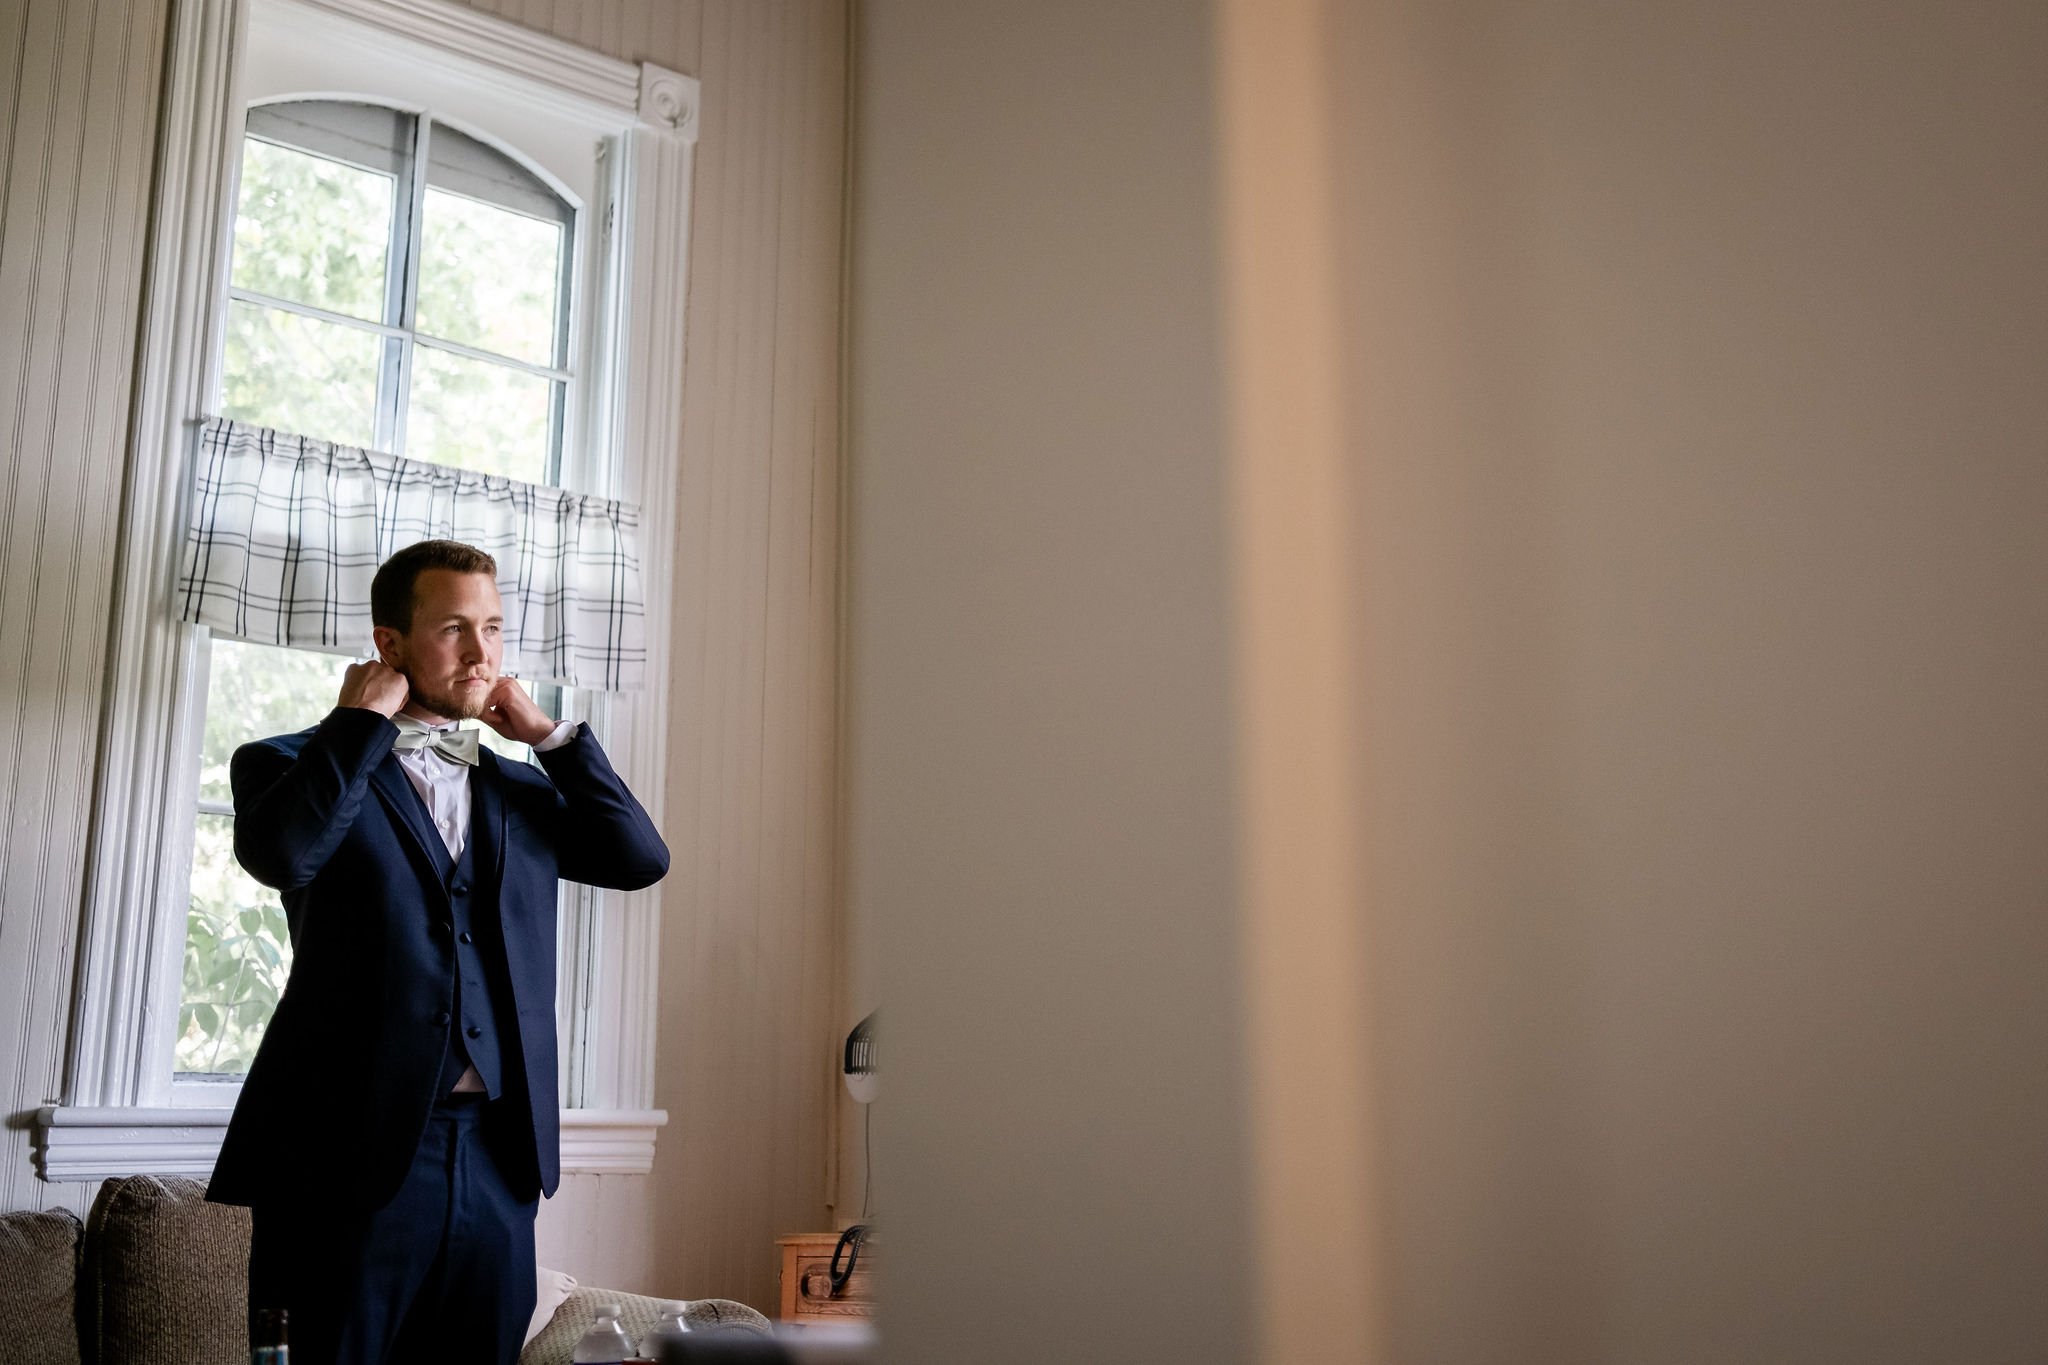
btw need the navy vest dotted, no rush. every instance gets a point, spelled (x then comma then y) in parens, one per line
(482, 980)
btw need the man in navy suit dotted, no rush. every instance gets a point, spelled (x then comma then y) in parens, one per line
(398, 1126)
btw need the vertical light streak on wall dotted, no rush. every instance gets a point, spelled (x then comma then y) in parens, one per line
(1295, 675)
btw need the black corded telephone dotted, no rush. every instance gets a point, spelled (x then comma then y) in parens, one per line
(850, 1243)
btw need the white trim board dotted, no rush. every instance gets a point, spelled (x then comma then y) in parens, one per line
(142, 823)
(76, 1143)
(472, 37)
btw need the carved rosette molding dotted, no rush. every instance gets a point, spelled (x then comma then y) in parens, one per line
(668, 99)
(79, 1143)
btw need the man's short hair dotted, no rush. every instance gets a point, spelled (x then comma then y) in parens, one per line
(391, 591)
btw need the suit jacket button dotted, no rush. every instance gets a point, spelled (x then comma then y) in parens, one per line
(440, 926)
(473, 1031)
(441, 1019)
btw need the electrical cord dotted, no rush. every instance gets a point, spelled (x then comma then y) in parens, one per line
(867, 1151)
(855, 1237)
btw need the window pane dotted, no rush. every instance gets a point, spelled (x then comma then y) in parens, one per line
(551, 698)
(489, 277)
(312, 230)
(475, 415)
(237, 955)
(300, 374)
(254, 691)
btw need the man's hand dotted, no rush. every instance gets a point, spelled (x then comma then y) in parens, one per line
(374, 686)
(516, 716)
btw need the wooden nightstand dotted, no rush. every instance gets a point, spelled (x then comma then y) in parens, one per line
(807, 1280)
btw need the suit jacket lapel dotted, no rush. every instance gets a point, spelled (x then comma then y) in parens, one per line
(487, 818)
(397, 791)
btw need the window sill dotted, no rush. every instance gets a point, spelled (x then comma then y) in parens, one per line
(77, 1143)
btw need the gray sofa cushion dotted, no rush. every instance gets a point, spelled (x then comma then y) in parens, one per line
(166, 1277)
(38, 1270)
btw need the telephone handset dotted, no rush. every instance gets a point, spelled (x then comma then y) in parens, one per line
(850, 1243)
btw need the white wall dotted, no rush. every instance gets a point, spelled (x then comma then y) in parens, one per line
(1685, 360)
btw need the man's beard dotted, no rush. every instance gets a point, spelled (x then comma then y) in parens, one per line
(462, 703)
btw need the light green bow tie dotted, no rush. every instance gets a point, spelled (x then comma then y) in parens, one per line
(457, 746)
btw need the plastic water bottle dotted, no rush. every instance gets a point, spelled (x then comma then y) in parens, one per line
(670, 1327)
(606, 1343)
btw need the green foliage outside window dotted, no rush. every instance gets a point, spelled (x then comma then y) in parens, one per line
(301, 375)
(237, 956)
(236, 950)
(315, 232)
(487, 280)
(487, 277)
(470, 414)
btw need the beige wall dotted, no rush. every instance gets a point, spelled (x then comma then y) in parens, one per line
(1039, 796)
(1688, 365)
(749, 1020)
(749, 1013)
(1695, 357)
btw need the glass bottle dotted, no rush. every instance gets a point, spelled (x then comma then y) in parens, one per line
(269, 1337)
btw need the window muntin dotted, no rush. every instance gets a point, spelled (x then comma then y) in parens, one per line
(300, 374)
(391, 272)
(286, 192)
(355, 223)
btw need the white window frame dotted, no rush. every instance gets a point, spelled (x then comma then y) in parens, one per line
(124, 1110)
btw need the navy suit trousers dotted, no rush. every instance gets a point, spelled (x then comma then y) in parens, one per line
(443, 1272)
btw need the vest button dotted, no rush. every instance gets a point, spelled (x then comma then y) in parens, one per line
(466, 937)
(473, 1031)
(462, 888)
(441, 1019)
(440, 926)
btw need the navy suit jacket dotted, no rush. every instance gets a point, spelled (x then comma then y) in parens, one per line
(338, 1096)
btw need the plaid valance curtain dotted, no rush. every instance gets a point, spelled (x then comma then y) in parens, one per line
(286, 533)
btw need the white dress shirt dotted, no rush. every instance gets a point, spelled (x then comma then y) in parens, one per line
(443, 784)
